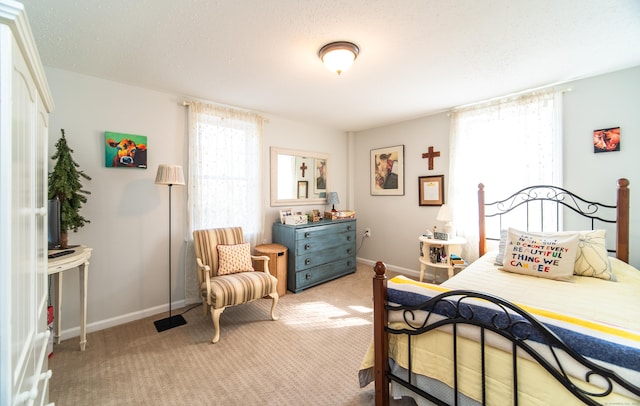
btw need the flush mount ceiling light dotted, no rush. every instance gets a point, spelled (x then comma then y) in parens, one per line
(339, 56)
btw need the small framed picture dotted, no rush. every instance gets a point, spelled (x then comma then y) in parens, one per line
(431, 190)
(303, 190)
(387, 171)
(606, 140)
(284, 213)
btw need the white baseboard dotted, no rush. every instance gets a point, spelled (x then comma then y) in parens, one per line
(125, 318)
(404, 271)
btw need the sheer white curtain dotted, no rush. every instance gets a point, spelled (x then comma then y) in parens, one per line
(224, 180)
(506, 144)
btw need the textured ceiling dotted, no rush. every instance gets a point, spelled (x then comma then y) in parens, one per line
(417, 57)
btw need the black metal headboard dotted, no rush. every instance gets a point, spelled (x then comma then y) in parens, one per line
(540, 207)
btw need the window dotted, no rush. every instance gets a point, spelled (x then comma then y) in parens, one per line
(224, 180)
(506, 145)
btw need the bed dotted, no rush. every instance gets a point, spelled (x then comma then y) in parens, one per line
(514, 334)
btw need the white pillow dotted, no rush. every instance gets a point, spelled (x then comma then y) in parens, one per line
(544, 255)
(234, 258)
(592, 258)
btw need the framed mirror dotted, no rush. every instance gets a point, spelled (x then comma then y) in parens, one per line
(298, 177)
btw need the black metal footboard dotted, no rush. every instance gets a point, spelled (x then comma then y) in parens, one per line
(489, 315)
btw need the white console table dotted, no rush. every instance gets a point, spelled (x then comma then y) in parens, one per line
(56, 266)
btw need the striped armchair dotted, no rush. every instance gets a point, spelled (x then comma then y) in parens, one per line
(226, 273)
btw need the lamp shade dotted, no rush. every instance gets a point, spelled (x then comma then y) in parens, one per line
(169, 175)
(444, 214)
(332, 198)
(339, 56)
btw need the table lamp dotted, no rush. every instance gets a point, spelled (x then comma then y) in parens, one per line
(445, 216)
(332, 199)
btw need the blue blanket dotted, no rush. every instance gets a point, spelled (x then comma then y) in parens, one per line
(593, 340)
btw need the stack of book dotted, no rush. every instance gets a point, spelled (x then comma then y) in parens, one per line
(457, 260)
(339, 215)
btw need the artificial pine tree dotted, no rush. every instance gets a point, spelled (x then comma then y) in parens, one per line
(64, 183)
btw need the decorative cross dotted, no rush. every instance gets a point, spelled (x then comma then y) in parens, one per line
(430, 155)
(304, 168)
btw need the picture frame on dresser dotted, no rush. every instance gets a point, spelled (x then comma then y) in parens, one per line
(284, 213)
(431, 190)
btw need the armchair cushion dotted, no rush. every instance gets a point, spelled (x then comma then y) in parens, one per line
(234, 258)
(234, 289)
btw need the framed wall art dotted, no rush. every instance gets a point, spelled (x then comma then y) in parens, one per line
(606, 140)
(125, 150)
(431, 190)
(387, 171)
(303, 190)
(320, 177)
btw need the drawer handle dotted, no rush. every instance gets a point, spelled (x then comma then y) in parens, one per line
(307, 261)
(307, 276)
(348, 228)
(348, 263)
(307, 246)
(348, 238)
(348, 250)
(307, 234)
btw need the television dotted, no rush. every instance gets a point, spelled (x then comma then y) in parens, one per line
(53, 220)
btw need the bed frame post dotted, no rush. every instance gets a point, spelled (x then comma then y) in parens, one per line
(482, 247)
(622, 220)
(380, 339)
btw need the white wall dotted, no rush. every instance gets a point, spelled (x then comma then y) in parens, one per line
(299, 136)
(128, 274)
(397, 221)
(605, 101)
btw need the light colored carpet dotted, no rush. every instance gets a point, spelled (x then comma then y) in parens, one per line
(310, 356)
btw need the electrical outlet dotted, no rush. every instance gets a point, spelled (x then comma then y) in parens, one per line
(367, 232)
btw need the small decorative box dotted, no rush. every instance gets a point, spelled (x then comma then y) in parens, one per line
(440, 236)
(295, 219)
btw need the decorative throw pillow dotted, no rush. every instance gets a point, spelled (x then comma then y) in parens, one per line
(234, 258)
(592, 258)
(545, 255)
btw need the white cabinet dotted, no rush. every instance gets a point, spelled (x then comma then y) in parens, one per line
(25, 103)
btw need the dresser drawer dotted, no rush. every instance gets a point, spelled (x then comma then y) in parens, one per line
(311, 259)
(323, 241)
(324, 231)
(319, 274)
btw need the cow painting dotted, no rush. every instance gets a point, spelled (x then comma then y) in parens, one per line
(125, 150)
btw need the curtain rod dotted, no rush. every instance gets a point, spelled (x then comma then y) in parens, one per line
(516, 94)
(187, 103)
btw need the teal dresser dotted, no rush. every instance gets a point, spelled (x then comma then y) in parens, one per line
(318, 252)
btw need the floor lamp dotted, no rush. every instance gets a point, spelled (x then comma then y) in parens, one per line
(169, 175)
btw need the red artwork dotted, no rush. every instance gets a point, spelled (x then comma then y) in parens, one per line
(606, 140)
